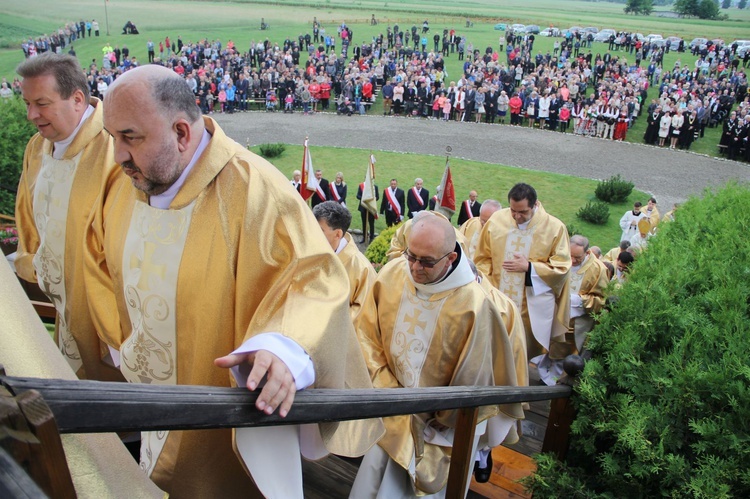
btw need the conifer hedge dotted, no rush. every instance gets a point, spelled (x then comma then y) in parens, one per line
(15, 132)
(664, 405)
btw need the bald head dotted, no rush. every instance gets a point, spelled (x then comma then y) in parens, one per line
(162, 88)
(489, 207)
(435, 230)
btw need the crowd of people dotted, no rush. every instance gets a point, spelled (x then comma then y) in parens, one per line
(568, 89)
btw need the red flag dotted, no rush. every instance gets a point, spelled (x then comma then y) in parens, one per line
(309, 182)
(447, 199)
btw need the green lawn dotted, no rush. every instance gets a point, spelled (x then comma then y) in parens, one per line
(489, 180)
(239, 21)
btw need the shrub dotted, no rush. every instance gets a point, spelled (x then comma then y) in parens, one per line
(594, 212)
(272, 150)
(664, 404)
(15, 132)
(572, 229)
(614, 190)
(377, 251)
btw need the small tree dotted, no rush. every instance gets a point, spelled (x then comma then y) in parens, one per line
(708, 9)
(15, 132)
(742, 4)
(725, 4)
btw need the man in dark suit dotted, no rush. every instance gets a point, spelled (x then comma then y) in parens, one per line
(471, 94)
(417, 198)
(393, 204)
(368, 219)
(469, 208)
(321, 194)
(490, 104)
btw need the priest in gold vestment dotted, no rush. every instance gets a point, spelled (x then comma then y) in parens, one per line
(525, 253)
(211, 260)
(473, 226)
(428, 322)
(588, 281)
(334, 220)
(64, 167)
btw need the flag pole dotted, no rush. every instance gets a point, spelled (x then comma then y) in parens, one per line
(106, 16)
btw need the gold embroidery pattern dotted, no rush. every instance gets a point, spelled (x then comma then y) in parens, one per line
(576, 279)
(150, 441)
(154, 361)
(51, 201)
(513, 283)
(412, 333)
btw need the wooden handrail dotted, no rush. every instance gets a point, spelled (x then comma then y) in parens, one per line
(93, 406)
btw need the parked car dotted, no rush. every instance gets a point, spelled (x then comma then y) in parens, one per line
(550, 32)
(742, 47)
(532, 29)
(653, 36)
(576, 29)
(518, 28)
(591, 29)
(698, 42)
(639, 37)
(603, 35)
(674, 42)
(500, 26)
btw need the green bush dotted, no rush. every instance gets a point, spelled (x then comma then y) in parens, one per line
(614, 190)
(15, 132)
(377, 251)
(664, 404)
(594, 212)
(272, 150)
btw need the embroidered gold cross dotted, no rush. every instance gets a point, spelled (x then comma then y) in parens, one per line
(146, 266)
(414, 321)
(518, 244)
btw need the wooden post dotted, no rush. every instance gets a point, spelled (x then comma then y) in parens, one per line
(462, 457)
(47, 458)
(561, 412)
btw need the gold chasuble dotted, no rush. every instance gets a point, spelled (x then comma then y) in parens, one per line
(470, 230)
(361, 275)
(174, 289)
(545, 243)
(449, 333)
(588, 282)
(55, 198)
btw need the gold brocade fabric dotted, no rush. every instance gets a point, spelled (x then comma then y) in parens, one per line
(52, 206)
(454, 337)
(254, 261)
(470, 230)
(589, 282)
(549, 253)
(361, 275)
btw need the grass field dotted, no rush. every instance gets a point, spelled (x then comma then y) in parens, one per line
(491, 181)
(240, 21)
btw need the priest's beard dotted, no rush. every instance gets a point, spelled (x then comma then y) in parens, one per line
(163, 171)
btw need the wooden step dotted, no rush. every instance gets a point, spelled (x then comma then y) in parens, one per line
(508, 466)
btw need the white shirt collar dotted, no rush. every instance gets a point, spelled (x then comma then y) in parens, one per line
(163, 200)
(60, 148)
(342, 244)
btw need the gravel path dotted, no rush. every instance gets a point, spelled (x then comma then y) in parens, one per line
(671, 176)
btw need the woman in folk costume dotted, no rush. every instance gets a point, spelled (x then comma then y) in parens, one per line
(621, 127)
(578, 117)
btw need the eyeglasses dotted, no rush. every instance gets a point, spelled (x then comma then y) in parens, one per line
(428, 264)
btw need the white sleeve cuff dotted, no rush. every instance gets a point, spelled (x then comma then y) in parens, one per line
(115, 357)
(576, 301)
(537, 283)
(289, 351)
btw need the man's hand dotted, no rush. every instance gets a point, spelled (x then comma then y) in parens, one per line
(279, 389)
(518, 263)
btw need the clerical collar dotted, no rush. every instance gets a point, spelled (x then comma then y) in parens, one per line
(459, 275)
(60, 148)
(163, 200)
